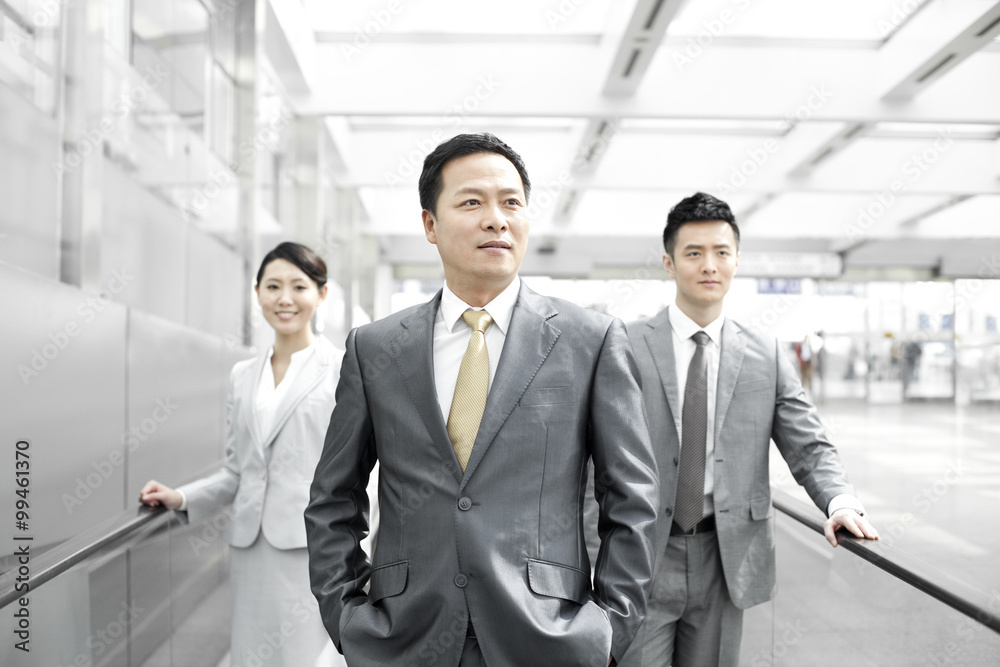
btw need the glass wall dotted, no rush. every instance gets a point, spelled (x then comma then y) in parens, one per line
(977, 306)
(883, 342)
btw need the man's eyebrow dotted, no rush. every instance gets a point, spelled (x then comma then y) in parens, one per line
(476, 190)
(698, 246)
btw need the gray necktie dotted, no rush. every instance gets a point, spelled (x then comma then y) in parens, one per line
(690, 499)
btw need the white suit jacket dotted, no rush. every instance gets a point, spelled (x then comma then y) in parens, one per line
(267, 475)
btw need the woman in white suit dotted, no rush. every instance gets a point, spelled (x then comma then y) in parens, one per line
(277, 414)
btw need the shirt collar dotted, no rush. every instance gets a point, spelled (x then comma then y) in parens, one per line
(501, 308)
(686, 327)
(297, 357)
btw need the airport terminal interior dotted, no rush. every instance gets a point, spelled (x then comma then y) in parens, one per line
(151, 152)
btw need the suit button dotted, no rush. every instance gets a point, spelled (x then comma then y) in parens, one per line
(676, 461)
(461, 580)
(464, 503)
(669, 511)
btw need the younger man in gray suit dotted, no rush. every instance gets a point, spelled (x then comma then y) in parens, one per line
(483, 407)
(716, 393)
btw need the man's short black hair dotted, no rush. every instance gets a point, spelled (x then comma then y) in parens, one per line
(699, 207)
(431, 184)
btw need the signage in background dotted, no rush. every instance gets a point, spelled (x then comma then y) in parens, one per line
(779, 286)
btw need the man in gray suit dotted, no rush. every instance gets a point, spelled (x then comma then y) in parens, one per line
(716, 393)
(483, 407)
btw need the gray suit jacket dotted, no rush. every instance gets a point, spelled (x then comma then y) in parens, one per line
(266, 476)
(758, 398)
(501, 544)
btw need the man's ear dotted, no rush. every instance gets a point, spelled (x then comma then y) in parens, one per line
(430, 226)
(668, 264)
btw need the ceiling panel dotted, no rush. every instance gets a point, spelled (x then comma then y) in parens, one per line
(939, 164)
(805, 83)
(632, 212)
(513, 17)
(978, 217)
(677, 161)
(393, 156)
(844, 219)
(844, 20)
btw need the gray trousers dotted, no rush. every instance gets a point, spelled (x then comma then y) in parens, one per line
(690, 619)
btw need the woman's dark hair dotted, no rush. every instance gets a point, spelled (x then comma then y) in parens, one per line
(301, 256)
(431, 183)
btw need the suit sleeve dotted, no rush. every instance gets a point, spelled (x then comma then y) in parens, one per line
(206, 495)
(337, 515)
(626, 486)
(802, 441)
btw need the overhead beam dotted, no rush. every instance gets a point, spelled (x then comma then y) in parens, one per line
(639, 45)
(636, 48)
(935, 42)
(826, 149)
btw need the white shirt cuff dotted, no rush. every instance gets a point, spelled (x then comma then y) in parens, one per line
(184, 501)
(845, 500)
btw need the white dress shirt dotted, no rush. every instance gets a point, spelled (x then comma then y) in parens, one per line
(452, 334)
(268, 396)
(683, 327)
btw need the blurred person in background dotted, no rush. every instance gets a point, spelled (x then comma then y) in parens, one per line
(278, 411)
(716, 393)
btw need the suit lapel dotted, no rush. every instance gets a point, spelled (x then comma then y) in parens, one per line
(250, 400)
(306, 380)
(529, 340)
(730, 362)
(413, 350)
(660, 339)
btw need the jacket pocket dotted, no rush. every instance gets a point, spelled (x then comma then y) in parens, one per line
(388, 580)
(558, 581)
(760, 509)
(547, 396)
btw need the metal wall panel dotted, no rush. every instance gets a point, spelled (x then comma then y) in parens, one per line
(62, 388)
(60, 623)
(29, 188)
(177, 382)
(175, 404)
(143, 240)
(214, 287)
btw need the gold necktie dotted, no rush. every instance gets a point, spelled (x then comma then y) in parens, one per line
(471, 388)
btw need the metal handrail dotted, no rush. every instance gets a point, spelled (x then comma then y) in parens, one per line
(60, 558)
(111, 533)
(958, 595)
